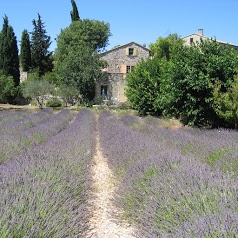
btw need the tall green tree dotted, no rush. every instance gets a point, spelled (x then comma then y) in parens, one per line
(74, 13)
(76, 57)
(93, 33)
(7, 87)
(182, 85)
(226, 103)
(41, 56)
(25, 55)
(9, 61)
(79, 69)
(3, 36)
(145, 86)
(190, 86)
(163, 46)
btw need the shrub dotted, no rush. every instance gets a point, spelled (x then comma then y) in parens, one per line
(54, 102)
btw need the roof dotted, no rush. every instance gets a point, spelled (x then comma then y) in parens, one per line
(218, 41)
(125, 45)
(195, 34)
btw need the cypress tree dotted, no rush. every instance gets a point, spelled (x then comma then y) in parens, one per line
(3, 36)
(40, 55)
(74, 13)
(9, 61)
(25, 56)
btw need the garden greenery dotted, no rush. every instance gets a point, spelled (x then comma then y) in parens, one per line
(180, 80)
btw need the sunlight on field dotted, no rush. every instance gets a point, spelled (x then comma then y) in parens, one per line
(169, 180)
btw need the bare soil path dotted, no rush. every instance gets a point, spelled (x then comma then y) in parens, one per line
(102, 223)
(10, 106)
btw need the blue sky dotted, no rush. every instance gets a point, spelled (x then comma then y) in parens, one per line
(142, 21)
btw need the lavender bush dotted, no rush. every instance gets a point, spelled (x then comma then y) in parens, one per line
(13, 143)
(44, 192)
(8, 116)
(217, 147)
(165, 189)
(22, 120)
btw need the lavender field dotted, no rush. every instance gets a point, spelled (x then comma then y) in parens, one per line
(170, 182)
(173, 183)
(44, 187)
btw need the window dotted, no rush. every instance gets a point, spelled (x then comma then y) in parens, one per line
(129, 68)
(131, 51)
(125, 69)
(191, 40)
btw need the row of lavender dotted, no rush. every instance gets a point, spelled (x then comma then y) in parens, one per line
(8, 116)
(164, 192)
(217, 148)
(29, 129)
(44, 192)
(16, 121)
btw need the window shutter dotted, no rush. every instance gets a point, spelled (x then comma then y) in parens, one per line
(127, 51)
(135, 52)
(121, 94)
(123, 69)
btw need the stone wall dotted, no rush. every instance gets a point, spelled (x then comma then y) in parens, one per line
(23, 76)
(115, 73)
(114, 83)
(117, 57)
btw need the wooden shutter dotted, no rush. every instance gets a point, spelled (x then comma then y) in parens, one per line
(123, 69)
(121, 94)
(127, 51)
(135, 52)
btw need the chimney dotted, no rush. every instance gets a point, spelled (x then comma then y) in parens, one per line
(200, 32)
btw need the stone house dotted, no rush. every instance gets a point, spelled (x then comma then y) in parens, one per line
(195, 38)
(121, 61)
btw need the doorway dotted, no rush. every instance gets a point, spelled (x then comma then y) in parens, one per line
(104, 92)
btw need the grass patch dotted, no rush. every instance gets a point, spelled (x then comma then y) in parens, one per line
(215, 156)
(39, 138)
(187, 148)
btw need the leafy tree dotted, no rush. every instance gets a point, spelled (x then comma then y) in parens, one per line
(76, 60)
(92, 33)
(37, 89)
(9, 61)
(183, 86)
(25, 56)
(163, 46)
(192, 81)
(69, 94)
(40, 43)
(79, 68)
(226, 104)
(74, 13)
(145, 85)
(7, 87)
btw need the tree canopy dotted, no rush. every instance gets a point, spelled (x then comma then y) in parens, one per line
(79, 68)
(92, 33)
(144, 86)
(76, 57)
(9, 61)
(37, 89)
(7, 87)
(25, 56)
(184, 86)
(226, 103)
(74, 13)
(41, 56)
(163, 46)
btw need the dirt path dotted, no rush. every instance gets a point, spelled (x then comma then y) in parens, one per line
(102, 224)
